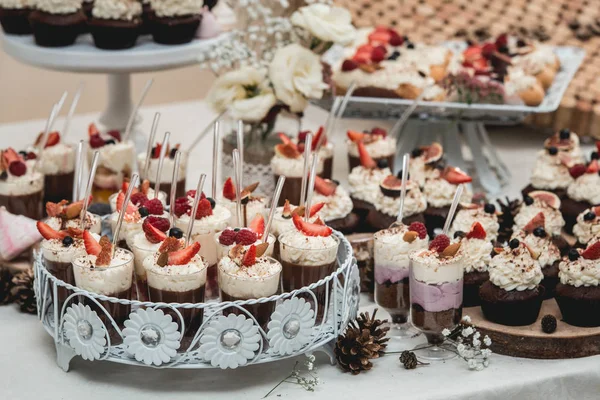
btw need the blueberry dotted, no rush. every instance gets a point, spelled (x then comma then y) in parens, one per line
(67, 241)
(24, 154)
(459, 234)
(528, 200)
(539, 232)
(595, 155)
(573, 254)
(110, 141)
(143, 212)
(176, 233)
(514, 243)
(3, 175)
(212, 202)
(236, 229)
(245, 200)
(590, 216)
(489, 208)
(336, 182)
(503, 49)
(410, 45)
(173, 151)
(382, 163)
(565, 134)
(405, 38)
(394, 55)
(521, 43)
(552, 150)
(416, 153)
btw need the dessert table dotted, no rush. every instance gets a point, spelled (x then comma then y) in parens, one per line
(28, 368)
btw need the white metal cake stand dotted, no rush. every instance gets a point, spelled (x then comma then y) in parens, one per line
(84, 57)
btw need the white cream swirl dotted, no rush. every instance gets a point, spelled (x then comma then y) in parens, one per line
(477, 254)
(581, 272)
(117, 9)
(364, 182)
(378, 147)
(253, 282)
(586, 230)
(414, 203)
(586, 188)
(554, 219)
(176, 8)
(57, 159)
(15, 4)
(176, 278)
(299, 249)
(337, 206)
(391, 251)
(58, 6)
(467, 216)
(291, 167)
(440, 193)
(547, 250)
(515, 269)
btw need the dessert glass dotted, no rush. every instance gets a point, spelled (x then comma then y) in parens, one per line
(112, 199)
(436, 296)
(363, 249)
(244, 287)
(303, 266)
(58, 166)
(24, 195)
(166, 174)
(141, 250)
(115, 163)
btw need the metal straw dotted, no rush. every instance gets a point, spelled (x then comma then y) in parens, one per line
(132, 185)
(88, 189)
(204, 132)
(240, 146)
(453, 206)
(194, 208)
(59, 106)
(274, 202)
(337, 102)
(44, 139)
(238, 188)
(305, 169)
(136, 109)
(150, 144)
(405, 163)
(176, 162)
(311, 186)
(343, 106)
(399, 125)
(161, 159)
(215, 165)
(71, 112)
(78, 171)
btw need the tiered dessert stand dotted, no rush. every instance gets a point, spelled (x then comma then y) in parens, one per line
(150, 338)
(84, 57)
(451, 122)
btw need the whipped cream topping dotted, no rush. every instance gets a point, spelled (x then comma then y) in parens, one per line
(518, 81)
(554, 219)
(465, 217)
(291, 167)
(549, 173)
(534, 62)
(58, 6)
(391, 253)
(419, 171)
(477, 254)
(117, 9)
(379, 147)
(515, 269)
(116, 157)
(15, 4)
(547, 250)
(581, 272)
(298, 249)
(93, 223)
(337, 206)
(326, 151)
(142, 248)
(585, 188)
(586, 230)
(251, 282)
(108, 280)
(440, 193)
(176, 278)
(57, 159)
(256, 205)
(281, 224)
(166, 174)
(31, 182)
(414, 202)
(364, 182)
(176, 8)
(129, 227)
(428, 267)
(54, 250)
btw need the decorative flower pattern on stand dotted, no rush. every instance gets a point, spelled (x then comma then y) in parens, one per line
(291, 326)
(353, 291)
(230, 341)
(84, 331)
(151, 336)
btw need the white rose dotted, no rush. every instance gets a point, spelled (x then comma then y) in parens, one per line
(330, 24)
(253, 109)
(296, 74)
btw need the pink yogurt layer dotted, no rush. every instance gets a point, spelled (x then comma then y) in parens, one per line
(436, 298)
(393, 275)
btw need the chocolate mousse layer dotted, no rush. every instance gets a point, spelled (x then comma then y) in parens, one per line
(580, 306)
(327, 168)
(395, 298)
(435, 217)
(191, 316)
(64, 272)
(355, 161)
(432, 323)
(292, 188)
(512, 308)
(261, 311)
(29, 205)
(378, 220)
(58, 187)
(473, 281)
(348, 224)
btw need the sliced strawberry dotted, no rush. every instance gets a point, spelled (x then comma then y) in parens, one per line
(324, 187)
(153, 234)
(476, 232)
(53, 139)
(577, 170)
(319, 221)
(365, 159)
(349, 65)
(378, 54)
(310, 229)
(593, 167)
(184, 256)
(75, 232)
(156, 150)
(257, 225)
(48, 233)
(488, 49)
(204, 209)
(92, 247)
(131, 208)
(597, 210)
(362, 58)
(229, 189)
(93, 129)
(314, 209)
(380, 37)
(355, 136)
(472, 53)
(284, 138)
(592, 252)
(598, 145)
(317, 137)
(287, 210)
(250, 257)
(538, 221)
(302, 136)
(365, 48)
(455, 176)
(379, 131)
(287, 150)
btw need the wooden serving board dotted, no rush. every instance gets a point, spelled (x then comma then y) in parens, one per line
(531, 342)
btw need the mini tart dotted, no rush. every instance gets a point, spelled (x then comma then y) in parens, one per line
(174, 30)
(15, 21)
(56, 30)
(114, 34)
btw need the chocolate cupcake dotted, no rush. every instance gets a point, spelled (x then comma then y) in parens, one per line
(578, 293)
(439, 192)
(425, 162)
(14, 16)
(337, 205)
(175, 21)
(468, 214)
(115, 24)
(57, 23)
(582, 194)
(587, 226)
(379, 146)
(477, 254)
(513, 295)
(387, 204)
(146, 12)
(538, 201)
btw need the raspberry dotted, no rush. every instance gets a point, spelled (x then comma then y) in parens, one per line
(204, 209)
(227, 237)
(245, 237)
(96, 141)
(420, 228)
(182, 206)
(577, 170)
(154, 206)
(349, 65)
(159, 223)
(440, 243)
(192, 194)
(139, 198)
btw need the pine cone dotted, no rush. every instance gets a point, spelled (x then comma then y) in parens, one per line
(507, 218)
(22, 291)
(355, 348)
(376, 329)
(5, 286)
(408, 359)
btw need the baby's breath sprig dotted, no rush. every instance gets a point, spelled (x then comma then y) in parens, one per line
(308, 378)
(469, 344)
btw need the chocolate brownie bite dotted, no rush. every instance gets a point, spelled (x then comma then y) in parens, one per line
(57, 23)
(513, 295)
(14, 16)
(115, 24)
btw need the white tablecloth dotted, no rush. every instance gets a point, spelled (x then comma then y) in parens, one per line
(27, 356)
